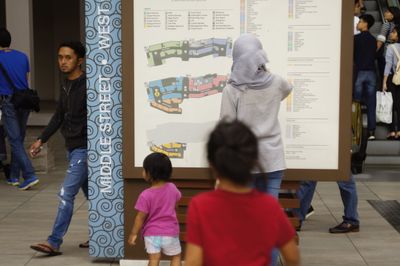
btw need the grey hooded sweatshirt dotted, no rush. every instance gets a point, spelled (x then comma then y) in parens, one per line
(256, 103)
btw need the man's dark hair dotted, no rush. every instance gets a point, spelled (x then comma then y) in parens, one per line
(368, 19)
(78, 48)
(232, 150)
(5, 37)
(356, 2)
(158, 166)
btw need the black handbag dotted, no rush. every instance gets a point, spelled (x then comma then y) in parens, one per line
(27, 99)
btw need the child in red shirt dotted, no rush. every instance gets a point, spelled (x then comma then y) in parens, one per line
(235, 224)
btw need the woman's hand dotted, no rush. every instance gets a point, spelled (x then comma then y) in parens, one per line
(384, 83)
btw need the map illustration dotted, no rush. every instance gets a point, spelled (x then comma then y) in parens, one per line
(158, 53)
(174, 150)
(167, 94)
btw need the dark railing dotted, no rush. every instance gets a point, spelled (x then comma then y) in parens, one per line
(382, 6)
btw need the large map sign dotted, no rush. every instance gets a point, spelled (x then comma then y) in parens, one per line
(180, 57)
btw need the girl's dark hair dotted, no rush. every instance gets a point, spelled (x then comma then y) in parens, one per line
(232, 150)
(158, 166)
(78, 48)
(396, 14)
(397, 29)
(5, 37)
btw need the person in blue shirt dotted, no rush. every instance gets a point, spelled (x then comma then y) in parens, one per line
(16, 65)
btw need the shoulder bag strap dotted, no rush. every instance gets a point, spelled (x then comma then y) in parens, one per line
(7, 77)
(396, 52)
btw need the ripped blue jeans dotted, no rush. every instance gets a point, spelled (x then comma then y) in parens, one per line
(75, 178)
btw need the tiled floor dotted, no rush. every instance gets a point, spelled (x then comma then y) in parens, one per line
(378, 243)
(26, 217)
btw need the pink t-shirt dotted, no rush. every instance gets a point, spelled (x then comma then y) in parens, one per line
(159, 204)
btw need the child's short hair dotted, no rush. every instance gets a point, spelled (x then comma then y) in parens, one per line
(232, 150)
(158, 166)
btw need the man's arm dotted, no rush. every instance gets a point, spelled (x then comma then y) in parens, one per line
(56, 120)
(54, 124)
(381, 39)
(355, 47)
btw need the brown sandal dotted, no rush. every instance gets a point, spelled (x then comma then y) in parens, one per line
(84, 245)
(46, 249)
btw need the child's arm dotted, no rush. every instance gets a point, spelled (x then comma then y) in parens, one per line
(290, 253)
(194, 255)
(139, 221)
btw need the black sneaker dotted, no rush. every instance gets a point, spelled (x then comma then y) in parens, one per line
(371, 135)
(344, 228)
(309, 212)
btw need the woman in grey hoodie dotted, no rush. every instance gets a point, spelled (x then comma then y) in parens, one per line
(253, 95)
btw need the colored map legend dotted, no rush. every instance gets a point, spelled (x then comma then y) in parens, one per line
(291, 9)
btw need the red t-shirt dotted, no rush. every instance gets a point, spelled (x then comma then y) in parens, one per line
(237, 229)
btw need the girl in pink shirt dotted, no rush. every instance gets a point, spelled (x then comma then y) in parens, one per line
(156, 216)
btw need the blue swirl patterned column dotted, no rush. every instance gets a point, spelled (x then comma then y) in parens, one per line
(103, 43)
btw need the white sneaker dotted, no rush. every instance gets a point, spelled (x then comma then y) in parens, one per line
(372, 137)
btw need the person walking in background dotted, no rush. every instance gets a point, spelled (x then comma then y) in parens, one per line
(392, 57)
(348, 194)
(71, 117)
(236, 224)
(348, 189)
(364, 63)
(14, 68)
(156, 215)
(253, 95)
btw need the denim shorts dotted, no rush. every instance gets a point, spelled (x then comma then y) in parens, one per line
(168, 245)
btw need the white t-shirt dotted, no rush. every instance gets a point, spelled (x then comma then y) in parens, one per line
(356, 20)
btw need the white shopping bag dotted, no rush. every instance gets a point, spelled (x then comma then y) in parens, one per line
(384, 105)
